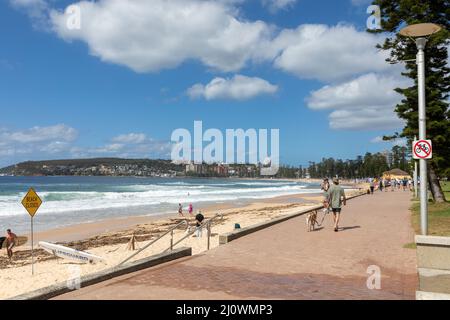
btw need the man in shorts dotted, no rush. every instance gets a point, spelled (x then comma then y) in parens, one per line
(337, 198)
(11, 240)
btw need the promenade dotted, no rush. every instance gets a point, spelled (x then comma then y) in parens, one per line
(287, 262)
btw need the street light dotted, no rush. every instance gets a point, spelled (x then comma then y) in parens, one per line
(420, 32)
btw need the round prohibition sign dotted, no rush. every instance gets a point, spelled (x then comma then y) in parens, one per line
(422, 149)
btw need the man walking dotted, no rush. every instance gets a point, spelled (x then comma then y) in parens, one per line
(336, 196)
(11, 240)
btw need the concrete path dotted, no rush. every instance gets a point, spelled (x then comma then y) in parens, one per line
(287, 262)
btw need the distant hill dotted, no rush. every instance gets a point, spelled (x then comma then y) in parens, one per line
(96, 167)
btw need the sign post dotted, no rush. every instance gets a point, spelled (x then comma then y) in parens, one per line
(416, 180)
(422, 151)
(32, 202)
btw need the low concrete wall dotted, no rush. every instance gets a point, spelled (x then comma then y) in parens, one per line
(421, 295)
(433, 252)
(61, 288)
(433, 266)
(434, 280)
(238, 233)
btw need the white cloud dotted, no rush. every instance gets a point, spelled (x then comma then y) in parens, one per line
(328, 53)
(148, 36)
(130, 138)
(131, 145)
(365, 91)
(370, 119)
(50, 140)
(238, 88)
(36, 9)
(367, 102)
(58, 132)
(378, 139)
(59, 141)
(395, 142)
(276, 5)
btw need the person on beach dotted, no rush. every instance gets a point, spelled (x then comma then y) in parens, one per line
(190, 209)
(381, 185)
(336, 199)
(11, 239)
(325, 186)
(404, 183)
(372, 186)
(180, 210)
(198, 224)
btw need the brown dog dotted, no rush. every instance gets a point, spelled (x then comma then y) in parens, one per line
(311, 220)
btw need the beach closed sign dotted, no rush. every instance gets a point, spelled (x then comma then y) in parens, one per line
(31, 202)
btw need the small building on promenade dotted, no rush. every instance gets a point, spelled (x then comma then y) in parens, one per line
(396, 174)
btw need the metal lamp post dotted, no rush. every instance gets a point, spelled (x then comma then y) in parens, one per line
(420, 32)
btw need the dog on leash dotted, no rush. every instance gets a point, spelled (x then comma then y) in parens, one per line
(311, 220)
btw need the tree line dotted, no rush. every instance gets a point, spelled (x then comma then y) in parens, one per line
(369, 165)
(395, 14)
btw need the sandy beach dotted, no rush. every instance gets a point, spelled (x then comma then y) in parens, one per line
(109, 239)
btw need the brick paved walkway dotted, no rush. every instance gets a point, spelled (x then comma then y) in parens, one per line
(286, 262)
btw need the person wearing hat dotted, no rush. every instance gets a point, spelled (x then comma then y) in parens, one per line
(337, 198)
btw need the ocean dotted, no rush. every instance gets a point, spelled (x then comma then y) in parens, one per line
(73, 200)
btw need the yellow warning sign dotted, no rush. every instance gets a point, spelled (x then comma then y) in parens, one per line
(31, 202)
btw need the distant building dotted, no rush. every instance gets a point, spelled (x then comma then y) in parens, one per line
(396, 174)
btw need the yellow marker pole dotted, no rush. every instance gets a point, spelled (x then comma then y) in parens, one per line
(32, 202)
(32, 247)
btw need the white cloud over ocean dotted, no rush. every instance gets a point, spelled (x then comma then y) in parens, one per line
(131, 145)
(364, 103)
(238, 87)
(60, 140)
(50, 139)
(150, 36)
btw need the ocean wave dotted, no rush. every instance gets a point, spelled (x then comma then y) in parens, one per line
(90, 197)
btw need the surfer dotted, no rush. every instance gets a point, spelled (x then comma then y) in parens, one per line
(11, 239)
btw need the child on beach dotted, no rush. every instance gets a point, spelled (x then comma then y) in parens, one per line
(191, 209)
(180, 210)
(325, 186)
(372, 186)
(198, 224)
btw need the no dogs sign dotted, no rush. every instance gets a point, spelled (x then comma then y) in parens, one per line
(422, 149)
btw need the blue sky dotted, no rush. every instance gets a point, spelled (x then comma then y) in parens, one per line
(137, 70)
